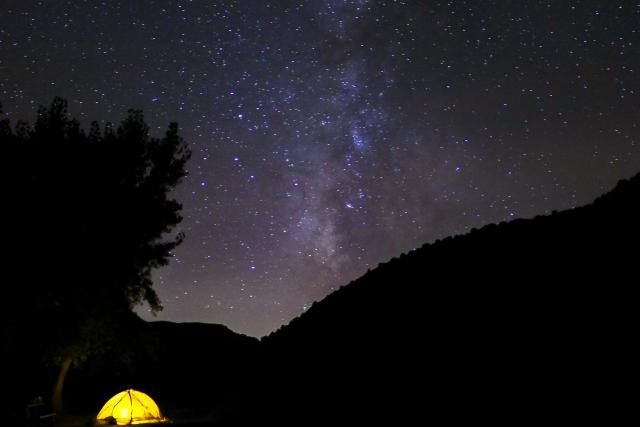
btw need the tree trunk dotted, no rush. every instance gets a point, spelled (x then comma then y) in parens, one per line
(56, 398)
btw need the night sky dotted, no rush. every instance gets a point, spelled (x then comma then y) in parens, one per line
(330, 136)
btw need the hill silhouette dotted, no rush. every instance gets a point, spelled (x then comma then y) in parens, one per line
(527, 320)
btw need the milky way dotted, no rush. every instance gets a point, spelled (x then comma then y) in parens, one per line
(330, 136)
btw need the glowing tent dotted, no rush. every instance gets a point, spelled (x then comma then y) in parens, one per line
(130, 407)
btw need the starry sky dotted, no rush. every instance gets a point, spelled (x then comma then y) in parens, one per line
(329, 136)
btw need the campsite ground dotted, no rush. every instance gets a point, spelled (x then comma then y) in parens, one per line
(83, 421)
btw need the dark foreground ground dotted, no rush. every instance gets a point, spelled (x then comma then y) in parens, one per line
(83, 421)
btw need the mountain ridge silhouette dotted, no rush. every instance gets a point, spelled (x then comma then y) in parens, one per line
(515, 321)
(624, 191)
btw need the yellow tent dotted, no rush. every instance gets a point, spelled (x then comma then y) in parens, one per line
(130, 407)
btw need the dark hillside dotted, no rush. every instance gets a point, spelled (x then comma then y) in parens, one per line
(530, 319)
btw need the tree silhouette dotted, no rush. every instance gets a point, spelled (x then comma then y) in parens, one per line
(88, 217)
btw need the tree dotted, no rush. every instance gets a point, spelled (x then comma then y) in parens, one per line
(88, 217)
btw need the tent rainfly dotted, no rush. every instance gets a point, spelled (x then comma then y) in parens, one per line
(130, 407)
